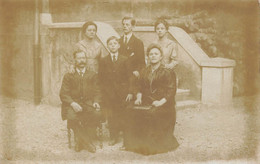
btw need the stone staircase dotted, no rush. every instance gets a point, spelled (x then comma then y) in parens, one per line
(184, 100)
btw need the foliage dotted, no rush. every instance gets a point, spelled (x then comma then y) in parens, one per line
(222, 34)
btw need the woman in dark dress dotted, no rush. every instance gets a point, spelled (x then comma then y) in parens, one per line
(152, 118)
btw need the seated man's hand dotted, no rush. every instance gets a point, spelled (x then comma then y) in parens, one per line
(136, 74)
(96, 106)
(129, 97)
(76, 107)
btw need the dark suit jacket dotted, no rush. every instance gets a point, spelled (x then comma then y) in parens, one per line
(114, 79)
(134, 50)
(83, 90)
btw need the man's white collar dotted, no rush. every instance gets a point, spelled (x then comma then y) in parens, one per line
(114, 54)
(128, 36)
(83, 70)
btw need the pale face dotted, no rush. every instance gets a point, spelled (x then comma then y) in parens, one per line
(80, 60)
(91, 31)
(113, 46)
(127, 26)
(154, 56)
(161, 30)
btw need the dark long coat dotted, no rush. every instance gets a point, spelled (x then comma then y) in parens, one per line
(114, 81)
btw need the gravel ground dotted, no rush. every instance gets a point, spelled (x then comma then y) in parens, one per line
(207, 134)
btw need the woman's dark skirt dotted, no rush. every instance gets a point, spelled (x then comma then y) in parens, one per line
(150, 131)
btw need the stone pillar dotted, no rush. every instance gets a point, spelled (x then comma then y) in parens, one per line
(45, 15)
(217, 81)
(45, 48)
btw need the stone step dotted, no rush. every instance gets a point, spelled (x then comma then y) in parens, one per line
(182, 94)
(186, 104)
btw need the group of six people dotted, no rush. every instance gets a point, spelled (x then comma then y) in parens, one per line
(135, 96)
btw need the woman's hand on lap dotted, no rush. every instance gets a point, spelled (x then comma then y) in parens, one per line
(157, 103)
(138, 102)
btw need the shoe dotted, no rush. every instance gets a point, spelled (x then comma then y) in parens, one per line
(122, 148)
(78, 147)
(91, 148)
(113, 142)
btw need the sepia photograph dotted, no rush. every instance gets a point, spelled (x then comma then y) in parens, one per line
(130, 81)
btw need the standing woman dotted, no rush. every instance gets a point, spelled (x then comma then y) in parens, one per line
(169, 47)
(150, 128)
(90, 46)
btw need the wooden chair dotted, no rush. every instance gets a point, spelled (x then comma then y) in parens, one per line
(70, 125)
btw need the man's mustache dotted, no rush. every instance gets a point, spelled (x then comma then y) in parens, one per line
(81, 63)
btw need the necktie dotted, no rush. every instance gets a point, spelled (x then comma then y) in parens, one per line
(125, 40)
(114, 58)
(81, 73)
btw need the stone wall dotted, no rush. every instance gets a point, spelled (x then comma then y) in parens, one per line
(16, 53)
(56, 53)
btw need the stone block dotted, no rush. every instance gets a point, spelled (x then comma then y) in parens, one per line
(217, 81)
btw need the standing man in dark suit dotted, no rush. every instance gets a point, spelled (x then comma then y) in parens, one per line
(114, 80)
(80, 98)
(132, 47)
